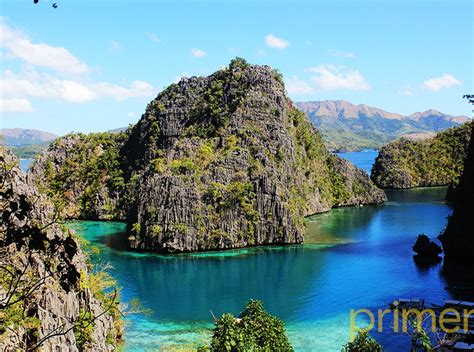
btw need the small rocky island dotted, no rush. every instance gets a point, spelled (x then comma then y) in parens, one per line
(437, 161)
(218, 162)
(49, 298)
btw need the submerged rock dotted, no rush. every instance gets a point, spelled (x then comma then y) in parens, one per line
(50, 306)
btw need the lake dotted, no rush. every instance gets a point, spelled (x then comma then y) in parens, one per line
(355, 257)
(25, 164)
(363, 160)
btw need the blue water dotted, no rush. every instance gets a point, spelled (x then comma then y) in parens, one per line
(353, 258)
(364, 160)
(25, 164)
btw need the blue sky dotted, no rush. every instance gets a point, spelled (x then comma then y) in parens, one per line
(93, 65)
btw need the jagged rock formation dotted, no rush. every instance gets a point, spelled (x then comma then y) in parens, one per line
(458, 238)
(227, 161)
(83, 174)
(348, 127)
(437, 161)
(47, 301)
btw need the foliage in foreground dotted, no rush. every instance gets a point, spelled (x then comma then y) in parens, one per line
(362, 343)
(254, 330)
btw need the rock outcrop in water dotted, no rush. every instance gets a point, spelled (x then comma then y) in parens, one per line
(458, 238)
(437, 161)
(48, 297)
(227, 161)
(426, 250)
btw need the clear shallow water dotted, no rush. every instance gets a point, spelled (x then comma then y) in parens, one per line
(364, 261)
(363, 160)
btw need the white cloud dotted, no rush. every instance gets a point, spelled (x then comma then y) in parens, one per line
(198, 52)
(132, 114)
(154, 38)
(57, 58)
(344, 54)
(438, 83)
(298, 87)
(48, 87)
(330, 77)
(44, 86)
(137, 89)
(15, 105)
(275, 42)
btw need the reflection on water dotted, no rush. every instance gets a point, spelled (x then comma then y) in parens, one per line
(365, 261)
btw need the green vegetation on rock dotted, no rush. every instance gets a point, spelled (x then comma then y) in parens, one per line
(224, 161)
(82, 174)
(431, 162)
(50, 296)
(362, 343)
(348, 127)
(29, 151)
(253, 330)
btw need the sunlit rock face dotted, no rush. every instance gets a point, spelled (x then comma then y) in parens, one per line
(227, 161)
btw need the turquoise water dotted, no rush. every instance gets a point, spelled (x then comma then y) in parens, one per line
(353, 258)
(363, 160)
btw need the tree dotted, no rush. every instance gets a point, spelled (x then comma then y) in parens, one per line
(254, 329)
(362, 343)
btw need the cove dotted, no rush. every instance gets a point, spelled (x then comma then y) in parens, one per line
(352, 258)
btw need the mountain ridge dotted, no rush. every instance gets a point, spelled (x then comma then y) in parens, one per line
(22, 137)
(352, 127)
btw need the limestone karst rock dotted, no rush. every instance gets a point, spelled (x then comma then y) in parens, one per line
(43, 273)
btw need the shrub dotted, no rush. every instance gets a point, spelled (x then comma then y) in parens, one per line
(362, 343)
(183, 166)
(238, 62)
(254, 330)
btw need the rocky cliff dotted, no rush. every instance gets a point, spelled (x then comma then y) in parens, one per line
(49, 299)
(458, 238)
(83, 175)
(434, 161)
(227, 161)
(221, 162)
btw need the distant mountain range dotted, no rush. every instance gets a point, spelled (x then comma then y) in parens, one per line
(349, 127)
(25, 143)
(19, 137)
